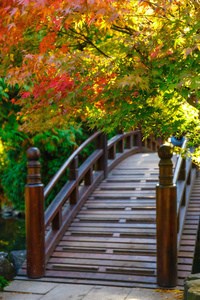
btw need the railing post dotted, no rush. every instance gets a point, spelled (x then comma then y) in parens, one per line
(149, 143)
(182, 176)
(182, 171)
(89, 176)
(139, 141)
(34, 201)
(73, 175)
(102, 163)
(57, 220)
(129, 142)
(112, 152)
(166, 221)
(120, 145)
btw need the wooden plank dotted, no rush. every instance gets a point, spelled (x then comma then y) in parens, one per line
(101, 276)
(119, 207)
(102, 262)
(121, 231)
(129, 218)
(106, 256)
(113, 225)
(109, 240)
(103, 212)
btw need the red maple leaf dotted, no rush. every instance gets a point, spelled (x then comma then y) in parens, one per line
(12, 100)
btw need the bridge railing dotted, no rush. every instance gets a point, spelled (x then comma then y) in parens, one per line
(172, 198)
(44, 230)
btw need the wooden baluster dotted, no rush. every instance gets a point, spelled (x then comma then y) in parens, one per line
(182, 177)
(112, 152)
(151, 142)
(184, 198)
(135, 140)
(159, 141)
(182, 171)
(73, 175)
(102, 163)
(89, 176)
(166, 211)
(189, 178)
(57, 220)
(154, 146)
(129, 142)
(34, 201)
(178, 222)
(148, 142)
(120, 144)
(145, 143)
(139, 141)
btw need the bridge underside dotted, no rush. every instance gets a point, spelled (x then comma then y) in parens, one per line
(112, 240)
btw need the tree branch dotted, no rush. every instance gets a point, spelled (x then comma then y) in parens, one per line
(87, 40)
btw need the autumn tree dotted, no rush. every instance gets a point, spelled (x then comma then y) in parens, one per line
(111, 63)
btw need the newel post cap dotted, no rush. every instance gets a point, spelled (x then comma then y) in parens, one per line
(165, 152)
(33, 153)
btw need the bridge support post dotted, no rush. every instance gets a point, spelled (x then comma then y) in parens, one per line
(73, 174)
(34, 202)
(166, 219)
(101, 143)
(139, 141)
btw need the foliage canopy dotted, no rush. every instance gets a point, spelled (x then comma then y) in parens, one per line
(127, 64)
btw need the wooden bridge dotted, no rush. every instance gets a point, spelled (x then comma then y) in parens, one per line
(104, 230)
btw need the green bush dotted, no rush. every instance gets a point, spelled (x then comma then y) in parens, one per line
(3, 283)
(55, 147)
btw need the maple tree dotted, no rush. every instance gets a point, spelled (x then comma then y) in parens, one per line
(125, 64)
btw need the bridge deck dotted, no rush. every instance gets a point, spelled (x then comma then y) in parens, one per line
(112, 240)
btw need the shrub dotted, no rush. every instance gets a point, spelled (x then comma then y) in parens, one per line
(3, 283)
(55, 147)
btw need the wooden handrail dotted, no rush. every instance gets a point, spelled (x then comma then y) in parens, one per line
(119, 137)
(59, 216)
(178, 164)
(184, 176)
(61, 171)
(58, 201)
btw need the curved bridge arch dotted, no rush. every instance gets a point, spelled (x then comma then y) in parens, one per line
(60, 215)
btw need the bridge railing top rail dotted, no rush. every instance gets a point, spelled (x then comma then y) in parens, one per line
(66, 164)
(179, 163)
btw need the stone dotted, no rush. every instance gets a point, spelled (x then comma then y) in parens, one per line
(192, 283)
(19, 214)
(15, 296)
(4, 254)
(35, 287)
(7, 211)
(17, 258)
(194, 292)
(193, 277)
(147, 294)
(6, 269)
(70, 292)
